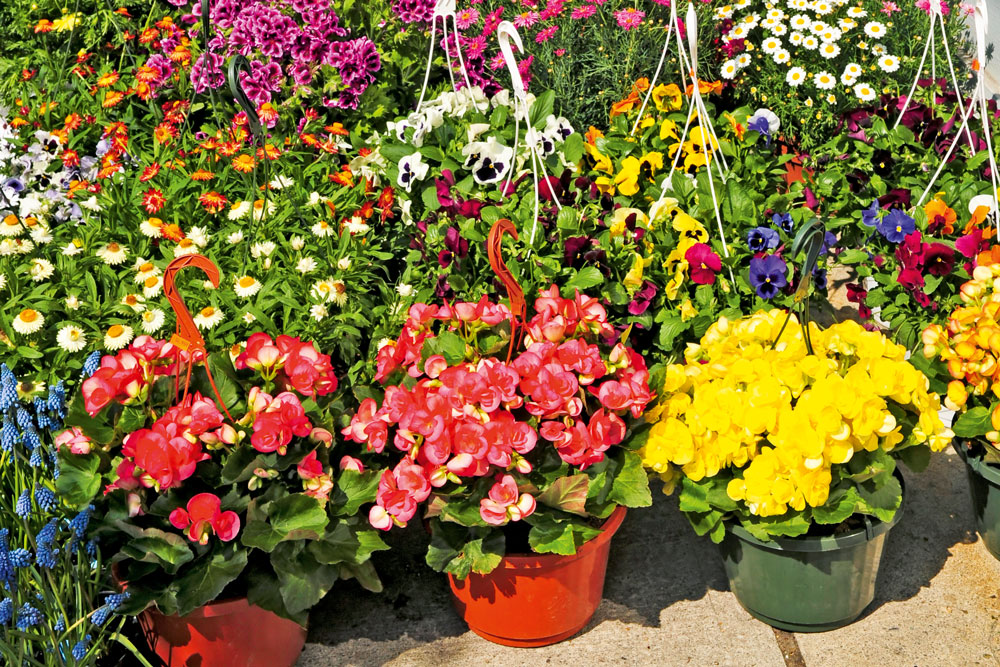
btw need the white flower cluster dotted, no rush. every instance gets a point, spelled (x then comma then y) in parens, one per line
(812, 38)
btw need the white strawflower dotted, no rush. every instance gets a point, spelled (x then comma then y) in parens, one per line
(246, 286)
(28, 321)
(113, 254)
(153, 228)
(318, 311)
(153, 320)
(235, 237)
(73, 302)
(297, 243)
(258, 250)
(199, 235)
(344, 263)
(281, 182)
(405, 290)
(71, 338)
(208, 317)
(152, 286)
(117, 337)
(306, 265)
(322, 228)
(74, 247)
(239, 210)
(41, 269)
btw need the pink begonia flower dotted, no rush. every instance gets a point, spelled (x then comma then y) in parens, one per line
(203, 516)
(75, 439)
(504, 504)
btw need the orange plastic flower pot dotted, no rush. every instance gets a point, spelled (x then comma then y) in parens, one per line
(233, 633)
(539, 599)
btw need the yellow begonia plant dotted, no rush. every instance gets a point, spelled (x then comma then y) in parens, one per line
(766, 433)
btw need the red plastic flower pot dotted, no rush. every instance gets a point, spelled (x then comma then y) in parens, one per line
(233, 633)
(538, 599)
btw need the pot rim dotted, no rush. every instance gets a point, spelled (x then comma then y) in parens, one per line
(608, 530)
(976, 463)
(873, 528)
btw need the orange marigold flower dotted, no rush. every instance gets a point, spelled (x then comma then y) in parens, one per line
(73, 121)
(173, 232)
(940, 217)
(71, 158)
(202, 175)
(112, 99)
(153, 200)
(44, 25)
(108, 80)
(244, 163)
(213, 201)
(165, 133)
(337, 129)
(150, 172)
(148, 35)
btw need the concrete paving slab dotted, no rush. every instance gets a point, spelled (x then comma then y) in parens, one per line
(666, 602)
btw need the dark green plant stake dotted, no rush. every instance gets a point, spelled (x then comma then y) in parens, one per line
(807, 584)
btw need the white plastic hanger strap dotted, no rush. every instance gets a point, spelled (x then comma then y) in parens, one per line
(444, 10)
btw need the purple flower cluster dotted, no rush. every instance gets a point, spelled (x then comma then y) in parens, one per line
(285, 39)
(414, 11)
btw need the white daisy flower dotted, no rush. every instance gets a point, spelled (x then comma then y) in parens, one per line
(857, 13)
(344, 263)
(829, 51)
(28, 321)
(117, 337)
(875, 29)
(824, 80)
(41, 269)
(800, 22)
(71, 338)
(135, 302)
(775, 14)
(739, 32)
(152, 286)
(779, 29)
(306, 265)
(246, 286)
(318, 311)
(796, 38)
(818, 28)
(743, 60)
(877, 50)
(831, 99)
(847, 25)
(11, 226)
(153, 320)
(850, 75)
(297, 243)
(153, 228)
(795, 77)
(145, 270)
(864, 92)
(208, 317)
(235, 237)
(781, 56)
(770, 45)
(729, 69)
(831, 35)
(822, 8)
(185, 247)
(264, 249)
(810, 43)
(113, 254)
(322, 228)
(888, 63)
(239, 210)
(768, 23)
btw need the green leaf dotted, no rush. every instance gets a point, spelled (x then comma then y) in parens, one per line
(840, 506)
(169, 550)
(705, 523)
(302, 580)
(568, 218)
(365, 574)
(353, 490)
(451, 347)
(790, 524)
(79, 480)
(240, 465)
(95, 429)
(132, 419)
(223, 374)
(568, 494)
(481, 555)
(542, 108)
(881, 500)
(446, 540)
(585, 278)
(572, 148)
(207, 578)
(694, 496)
(631, 485)
(297, 512)
(916, 457)
(463, 512)
(430, 199)
(670, 329)
(265, 591)
(28, 352)
(853, 256)
(344, 545)
(973, 423)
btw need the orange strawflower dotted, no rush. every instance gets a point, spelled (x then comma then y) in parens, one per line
(112, 99)
(213, 201)
(148, 35)
(165, 133)
(44, 25)
(73, 121)
(173, 232)
(150, 172)
(202, 175)
(108, 80)
(244, 163)
(269, 151)
(337, 129)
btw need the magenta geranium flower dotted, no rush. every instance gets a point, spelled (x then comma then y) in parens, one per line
(630, 18)
(704, 263)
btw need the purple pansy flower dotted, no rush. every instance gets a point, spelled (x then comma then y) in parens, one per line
(896, 226)
(762, 238)
(870, 215)
(768, 275)
(783, 221)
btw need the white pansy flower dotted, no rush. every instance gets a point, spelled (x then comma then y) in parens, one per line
(412, 168)
(488, 160)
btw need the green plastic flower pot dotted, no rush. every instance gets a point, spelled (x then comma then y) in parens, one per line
(806, 584)
(984, 483)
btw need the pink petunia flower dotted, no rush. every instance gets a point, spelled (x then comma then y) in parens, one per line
(629, 18)
(583, 12)
(546, 34)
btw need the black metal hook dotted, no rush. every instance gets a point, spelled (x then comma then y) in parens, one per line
(237, 64)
